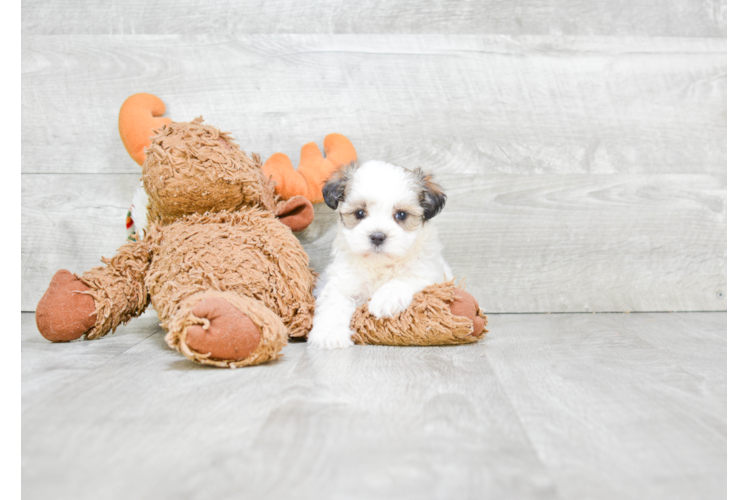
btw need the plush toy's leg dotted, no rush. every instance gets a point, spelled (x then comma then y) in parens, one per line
(99, 300)
(440, 314)
(226, 329)
(66, 311)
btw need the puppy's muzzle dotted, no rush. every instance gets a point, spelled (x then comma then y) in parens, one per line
(377, 238)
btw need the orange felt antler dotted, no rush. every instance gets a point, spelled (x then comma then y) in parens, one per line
(137, 119)
(314, 169)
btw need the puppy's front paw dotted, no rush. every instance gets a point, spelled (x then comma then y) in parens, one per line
(390, 301)
(329, 337)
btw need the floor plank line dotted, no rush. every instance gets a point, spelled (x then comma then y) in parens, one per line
(625, 406)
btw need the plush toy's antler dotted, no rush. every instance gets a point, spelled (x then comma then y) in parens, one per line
(314, 169)
(137, 120)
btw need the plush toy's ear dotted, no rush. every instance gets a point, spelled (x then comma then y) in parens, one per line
(297, 213)
(138, 117)
(431, 198)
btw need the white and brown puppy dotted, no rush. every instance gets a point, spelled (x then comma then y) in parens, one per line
(385, 250)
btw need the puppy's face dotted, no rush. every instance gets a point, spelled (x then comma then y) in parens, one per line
(382, 206)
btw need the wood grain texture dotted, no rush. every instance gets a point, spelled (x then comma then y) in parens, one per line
(524, 243)
(615, 406)
(48, 367)
(452, 104)
(639, 399)
(737, 426)
(69, 222)
(319, 424)
(133, 421)
(567, 17)
(569, 243)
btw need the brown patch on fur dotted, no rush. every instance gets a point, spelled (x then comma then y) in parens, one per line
(348, 217)
(414, 218)
(431, 197)
(428, 320)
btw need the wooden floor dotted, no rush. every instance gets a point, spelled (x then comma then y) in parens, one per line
(572, 406)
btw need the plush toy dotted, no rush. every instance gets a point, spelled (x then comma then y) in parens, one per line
(227, 277)
(219, 262)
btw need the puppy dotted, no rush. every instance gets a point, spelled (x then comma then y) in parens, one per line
(385, 250)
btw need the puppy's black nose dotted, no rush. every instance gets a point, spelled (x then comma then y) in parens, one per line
(377, 238)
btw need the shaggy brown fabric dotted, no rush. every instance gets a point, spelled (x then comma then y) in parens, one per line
(118, 287)
(228, 279)
(272, 339)
(66, 311)
(249, 252)
(427, 321)
(195, 168)
(248, 257)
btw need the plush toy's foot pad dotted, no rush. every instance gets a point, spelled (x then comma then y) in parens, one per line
(466, 305)
(65, 312)
(230, 335)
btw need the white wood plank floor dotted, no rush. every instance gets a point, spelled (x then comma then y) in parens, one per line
(571, 406)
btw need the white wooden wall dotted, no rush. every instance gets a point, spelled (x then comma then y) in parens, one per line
(582, 144)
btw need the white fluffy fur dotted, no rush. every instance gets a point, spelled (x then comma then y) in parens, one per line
(407, 262)
(139, 211)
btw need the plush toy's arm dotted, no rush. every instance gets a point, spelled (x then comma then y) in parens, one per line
(99, 300)
(314, 169)
(440, 314)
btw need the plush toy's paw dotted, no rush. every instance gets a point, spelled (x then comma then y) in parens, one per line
(330, 335)
(389, 301)
(230, 335)
(465, 305)
(65, 312)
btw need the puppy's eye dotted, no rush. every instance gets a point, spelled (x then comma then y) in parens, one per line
(401, 215)
(360, 214)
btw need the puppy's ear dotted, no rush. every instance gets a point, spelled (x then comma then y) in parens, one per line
(431, 197)
(334, 190)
